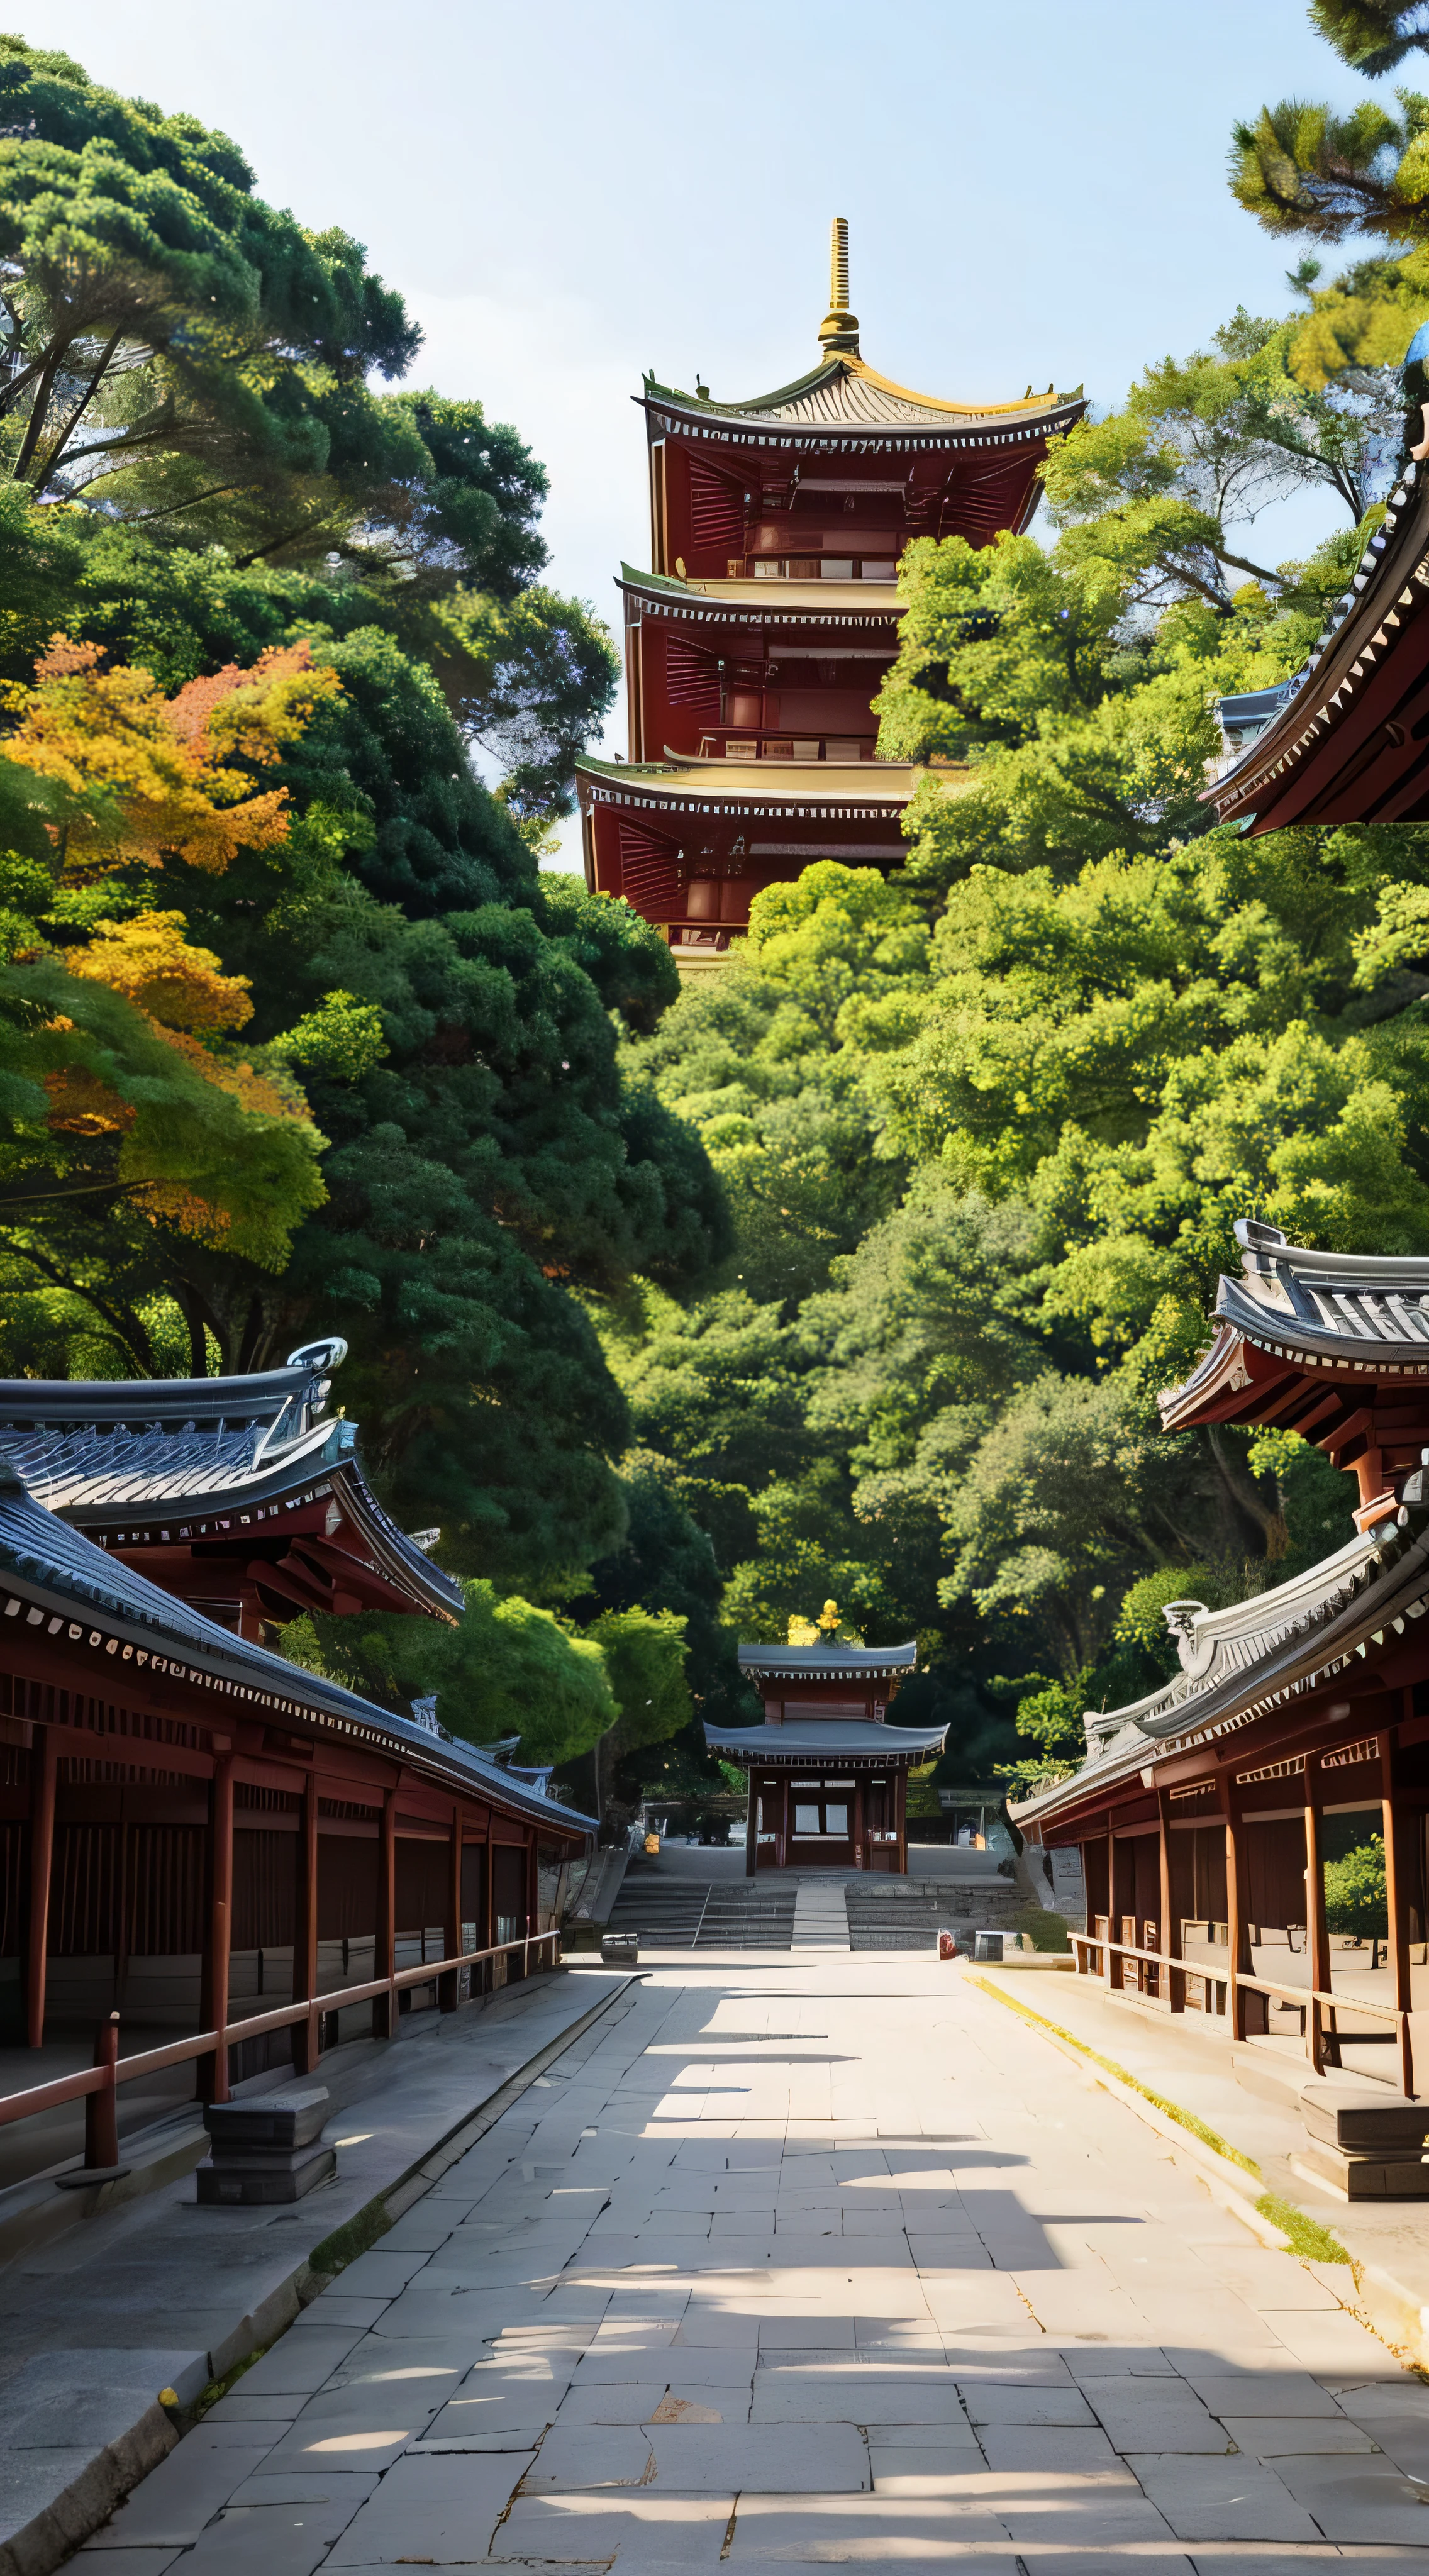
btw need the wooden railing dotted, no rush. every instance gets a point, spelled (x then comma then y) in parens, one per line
(97, 2086)
(1319, 2007)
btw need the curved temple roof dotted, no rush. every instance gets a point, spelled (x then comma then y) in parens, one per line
(873, 605)
(1348, 741)
(683, 780)
(827, 1663)
(842, 1740)
(843, 392)
(1316, 1341)
(113, 1455)
(50, 1572)
(1237, 1664)
(1329, 1311)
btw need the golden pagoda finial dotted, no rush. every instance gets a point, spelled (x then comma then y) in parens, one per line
(839, 328)
(838, 263)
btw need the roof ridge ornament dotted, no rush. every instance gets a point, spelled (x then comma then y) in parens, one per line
(838, 331)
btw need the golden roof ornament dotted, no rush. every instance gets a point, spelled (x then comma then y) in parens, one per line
(838, 331)
(828, 1629)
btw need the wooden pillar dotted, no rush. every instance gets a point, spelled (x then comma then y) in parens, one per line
(121, 1906)
(1113, 1927)
(901, 1776)
(1084, 1854)
(101, 2117)
(1173, 1988)
(213, 2003)
(1238, 1959)
(861, 1855)
(751, 1830)
(384, 1957)
(449, 1986)
(305, 1932)
(42, 1857)
(1317, 1938)
(1398, 1882)
(488, 1929)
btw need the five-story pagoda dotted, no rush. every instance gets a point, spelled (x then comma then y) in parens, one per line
(755, 645)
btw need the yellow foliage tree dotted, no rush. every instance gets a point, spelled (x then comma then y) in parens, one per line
(220, 1147)
(149, 961)
(149, 777)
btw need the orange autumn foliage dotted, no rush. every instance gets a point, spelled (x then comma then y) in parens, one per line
(82, 1105)
(254, 1091)
(148, 960)
(220, 1149)
(153, 777)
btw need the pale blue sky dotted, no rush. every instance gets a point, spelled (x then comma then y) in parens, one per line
(566, 194)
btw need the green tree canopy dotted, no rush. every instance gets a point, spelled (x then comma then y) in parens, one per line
(644, 1653)
(505, 1669)
(1083, 731)
(192, 364)
(436, 1146)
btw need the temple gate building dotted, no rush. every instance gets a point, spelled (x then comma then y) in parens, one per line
(828, 1775)
(769, 620)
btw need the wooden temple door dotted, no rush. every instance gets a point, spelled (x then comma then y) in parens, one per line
(822, 1823)
(768, 1801)
(880, 1827)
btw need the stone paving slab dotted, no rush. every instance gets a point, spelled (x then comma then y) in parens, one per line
(1086, 2364)
(158, 2293)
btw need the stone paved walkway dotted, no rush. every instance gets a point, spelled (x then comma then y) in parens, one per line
(799, 2261)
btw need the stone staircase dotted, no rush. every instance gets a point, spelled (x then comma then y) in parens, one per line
(829, 1910)
(705, 1914)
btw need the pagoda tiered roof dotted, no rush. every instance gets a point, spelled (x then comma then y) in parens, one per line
(250, 1471)
(682, 779)
(843, 393)
(1349, 741)
(748, 601)
(756, 645)
(709, 805)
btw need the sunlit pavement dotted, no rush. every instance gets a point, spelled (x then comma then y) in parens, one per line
(800, 2260)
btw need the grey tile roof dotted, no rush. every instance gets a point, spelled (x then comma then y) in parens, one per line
(1236, 1664)
(1364, 628)
(142, 1467)
(136, 1457)
(57, 1579)
(843, 1739)
(1359, 1310)
(828, 1663)
(134, 1440)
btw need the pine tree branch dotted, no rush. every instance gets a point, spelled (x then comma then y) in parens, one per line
(44, 472)
(39, 410)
